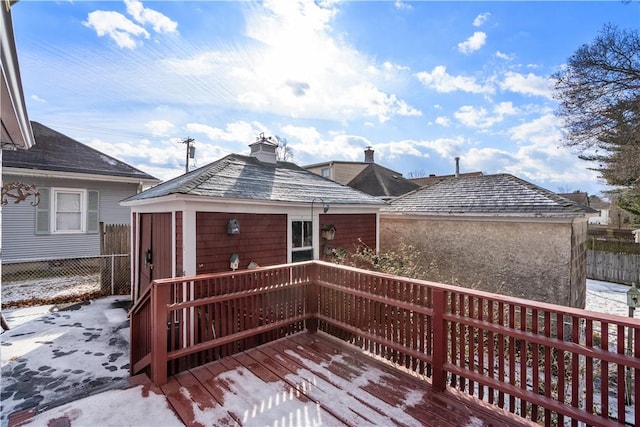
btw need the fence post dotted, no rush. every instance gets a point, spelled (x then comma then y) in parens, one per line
(159, 302)
(113, 274)
(312, 298)
(438, 377)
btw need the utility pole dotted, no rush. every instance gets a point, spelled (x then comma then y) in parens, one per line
(191, 152)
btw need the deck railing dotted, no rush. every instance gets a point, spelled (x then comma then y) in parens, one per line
(551, 364)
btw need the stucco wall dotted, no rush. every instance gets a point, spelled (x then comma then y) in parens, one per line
(532, 260)
(579, 247)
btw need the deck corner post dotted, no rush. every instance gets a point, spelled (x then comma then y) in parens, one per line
(313, 293)
(438, 378)
(159, 303)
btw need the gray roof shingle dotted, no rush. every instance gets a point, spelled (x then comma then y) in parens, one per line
(54, 151)
(244, 177)
(500, 194)
(382, 182)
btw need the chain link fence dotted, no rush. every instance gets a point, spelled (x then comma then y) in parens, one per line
(61, 280)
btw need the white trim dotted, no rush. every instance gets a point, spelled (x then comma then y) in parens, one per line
(38, 173)
(15, 118)
(313, 246)
(55, 191)
(135, 249)
(216, 204)
(188, 243)
(173, 244)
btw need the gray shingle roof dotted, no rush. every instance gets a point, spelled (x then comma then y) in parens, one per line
(54, 151)
(244, 177)
(382, 182)
(500, 194)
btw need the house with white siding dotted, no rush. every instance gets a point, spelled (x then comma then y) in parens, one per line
(78, 187)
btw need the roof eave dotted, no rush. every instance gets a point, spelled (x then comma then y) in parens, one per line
(191, 198)
(485, 216)
(16, 127)
(39, 173)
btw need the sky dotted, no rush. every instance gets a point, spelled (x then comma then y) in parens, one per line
(419, 82)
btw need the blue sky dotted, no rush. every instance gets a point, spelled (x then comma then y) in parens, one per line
(420, 82)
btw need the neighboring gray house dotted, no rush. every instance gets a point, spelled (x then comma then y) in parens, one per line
(79, 188)
(496, 233)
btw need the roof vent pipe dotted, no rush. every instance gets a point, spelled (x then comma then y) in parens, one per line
(457, 167)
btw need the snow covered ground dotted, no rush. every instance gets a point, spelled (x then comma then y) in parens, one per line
(59, 356)
(50, 288)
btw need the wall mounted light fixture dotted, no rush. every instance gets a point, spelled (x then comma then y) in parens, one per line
(233, 227)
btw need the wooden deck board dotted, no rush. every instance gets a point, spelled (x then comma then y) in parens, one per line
(314, 379)
(392, 387)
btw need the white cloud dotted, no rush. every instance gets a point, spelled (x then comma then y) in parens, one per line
(529, 84)
(445, 147)
(443, 121)
(443, 82)
(402, 5)
(539, 156)
(117, 26)
(481, 19)
(144, 15)
(544, 132)
(473, 43)
(159, 127)
(481, 118)
(38, 99)
(311, 74)
(503, 55)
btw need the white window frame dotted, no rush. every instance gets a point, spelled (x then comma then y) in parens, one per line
(301, 248)
(55, 191)
(325, 172)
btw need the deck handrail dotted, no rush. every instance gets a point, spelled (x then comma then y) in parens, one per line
(531, 358)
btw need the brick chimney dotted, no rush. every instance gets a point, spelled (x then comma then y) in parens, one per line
(368, 155)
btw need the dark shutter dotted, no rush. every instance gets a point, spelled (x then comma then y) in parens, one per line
(93, 207)
(43, 210)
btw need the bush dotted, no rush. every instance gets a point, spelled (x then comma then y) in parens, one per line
(405, 261)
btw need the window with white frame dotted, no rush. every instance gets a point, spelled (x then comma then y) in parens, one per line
(326, 172)
(301, 241)
(67, 211)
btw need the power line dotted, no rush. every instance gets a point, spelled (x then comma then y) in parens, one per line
(104, 131)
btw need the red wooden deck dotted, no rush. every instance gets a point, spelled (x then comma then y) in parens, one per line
(314, 379)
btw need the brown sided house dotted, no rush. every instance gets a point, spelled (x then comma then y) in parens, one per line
(368, 176)
(241, 212)
(496, 233)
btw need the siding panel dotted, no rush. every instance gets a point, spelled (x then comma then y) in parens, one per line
(262, 239)
(19, 240)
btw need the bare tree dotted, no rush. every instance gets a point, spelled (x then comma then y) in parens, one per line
(421, 173)
(599, 99)
(283, 152)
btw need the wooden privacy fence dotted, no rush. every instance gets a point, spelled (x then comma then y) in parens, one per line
(613, 267)
(115, 239)
(547, 363)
